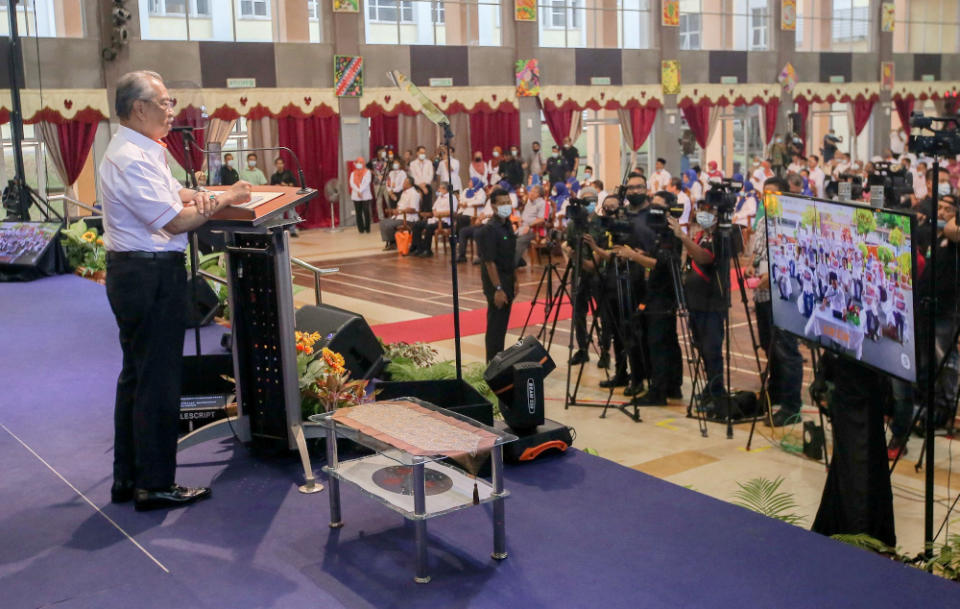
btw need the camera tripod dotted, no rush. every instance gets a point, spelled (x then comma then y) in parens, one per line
(551, 303)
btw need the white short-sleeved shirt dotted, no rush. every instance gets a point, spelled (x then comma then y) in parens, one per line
(140, 195)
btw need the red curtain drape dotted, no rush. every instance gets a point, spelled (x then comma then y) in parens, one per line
(383, 132)
(904, 108)
(315, 141)
(192, 117)
(641, 123)
(770, 109)
(862, 108)
(803, 109)
(76, 140)
(559, 122)
(698, 119)
(489, 129)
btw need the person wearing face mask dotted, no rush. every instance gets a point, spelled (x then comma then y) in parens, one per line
(360, 193)
(535, 165)
(497, 247)
(779, 155)
(585, 287)
(571, 157)
(588, 178)
(556, 168)
(407, 213)
(228, 173)
(532, 218)
(421, 168)
(493, 166)
(443, 176)
(706, 301)
(251, 173)
(480, 169)
(379, 167)
(474, 209)
(511, 168)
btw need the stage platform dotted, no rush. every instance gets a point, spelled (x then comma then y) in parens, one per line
(581, 531)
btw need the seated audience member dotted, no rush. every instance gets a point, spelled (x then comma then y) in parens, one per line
(281, 176)
(252, 173)
(228, 173)
(408, 212)
(426, 227)
(531, 219)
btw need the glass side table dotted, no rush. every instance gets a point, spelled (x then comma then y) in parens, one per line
(417, 487)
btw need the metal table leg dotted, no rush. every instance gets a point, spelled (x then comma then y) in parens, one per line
(334, 483)
(420, 509)
(499, 534)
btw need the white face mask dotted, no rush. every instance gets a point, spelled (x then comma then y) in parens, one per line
(230, 163)
(358, 165)
(705, 219)
(383, 154)
(396, 165)
(504, 211)
(943, 188)
(422, 157)
(251, 164)
(495, 154)
(514, 152)
(588, 175)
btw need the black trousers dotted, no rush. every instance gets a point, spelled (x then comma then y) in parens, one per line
(149, 301)
(363, 215)
(666, 360)
(497, 319)
(857, 497)
(586, 291)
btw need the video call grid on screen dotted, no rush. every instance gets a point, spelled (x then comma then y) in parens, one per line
(843, 275)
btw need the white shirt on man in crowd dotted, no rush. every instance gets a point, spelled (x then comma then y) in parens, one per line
(442, 205)
(140, 195)
(442, 173)
(422, 171)
(816, 179)
(395, 180)
(409, 204)
(659, 180)
(472, 205)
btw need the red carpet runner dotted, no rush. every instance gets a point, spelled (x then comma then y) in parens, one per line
(440, 327)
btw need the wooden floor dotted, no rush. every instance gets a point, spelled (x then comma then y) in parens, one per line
(385, 287)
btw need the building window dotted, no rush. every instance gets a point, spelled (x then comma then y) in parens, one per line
(472, 22)
(927, 26)
(595, 24)
(313, 10)
(758, 29)
(255, 9)
(833, 25)
(44, 18)
(390, 11)
(163, 8)
(689, 32)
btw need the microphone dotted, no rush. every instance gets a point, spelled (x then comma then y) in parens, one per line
(186, 128)
(303, 188)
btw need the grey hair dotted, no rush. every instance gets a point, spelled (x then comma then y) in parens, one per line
(131, 87)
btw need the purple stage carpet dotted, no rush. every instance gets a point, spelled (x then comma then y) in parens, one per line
(581, 531)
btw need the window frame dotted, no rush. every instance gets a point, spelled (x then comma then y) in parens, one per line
(268, 16)
(398, 5)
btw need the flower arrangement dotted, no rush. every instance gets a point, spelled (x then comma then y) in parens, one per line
(84, 248)
(852, 315)
(325, 383)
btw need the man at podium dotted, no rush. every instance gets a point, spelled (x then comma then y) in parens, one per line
(146, 215)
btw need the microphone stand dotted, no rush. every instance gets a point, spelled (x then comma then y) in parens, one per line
(188, 139)
(454, 237)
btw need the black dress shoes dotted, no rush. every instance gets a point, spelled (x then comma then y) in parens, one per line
(173, 497)
(121, 491)
(580, 357)
(604, 361)
(614, 381)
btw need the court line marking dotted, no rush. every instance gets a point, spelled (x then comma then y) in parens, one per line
(85, 498)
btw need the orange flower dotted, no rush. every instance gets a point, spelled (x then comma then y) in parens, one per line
(308, 350)
(299, 347)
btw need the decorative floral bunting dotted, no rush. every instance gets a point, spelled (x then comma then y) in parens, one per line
(788, 15)
(888, 16)
(348, 75)
(528, 77)
(346, 6)
(886, 75)
(670, 76)
(671, 13)
(525, 10)
(788, 77)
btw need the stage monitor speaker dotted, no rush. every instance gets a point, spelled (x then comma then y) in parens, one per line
(202, 303)
(796, 122)
(522, 405)
(346, 333)
(499, 373)
(30, 250)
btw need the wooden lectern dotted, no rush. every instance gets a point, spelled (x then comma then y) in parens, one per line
(260, 286)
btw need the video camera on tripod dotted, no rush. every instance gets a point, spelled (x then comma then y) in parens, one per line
(657, 217)
(838, 189)
(618, 225)
(943, 142)
(889, 186)
(723, 197)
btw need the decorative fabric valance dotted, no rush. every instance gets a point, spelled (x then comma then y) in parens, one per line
(728, 95)
(555, 97)
(231, 104)
(917, 89)
(837, 92)
(58, 105)
(391, 101)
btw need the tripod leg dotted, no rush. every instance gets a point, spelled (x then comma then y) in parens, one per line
(533, 303)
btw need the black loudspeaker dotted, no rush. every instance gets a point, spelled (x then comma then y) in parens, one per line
(346, 333)
(522, 405)
(202, 303)
(796, 122)
(499, 373)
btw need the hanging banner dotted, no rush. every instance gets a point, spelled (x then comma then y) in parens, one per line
(348, 75)
(670, 76)
(346, 6)
(528, 77)
(525, 10)
(788, 15)
(886, 75)
(671, 13)
(788, 77)
(888, 16)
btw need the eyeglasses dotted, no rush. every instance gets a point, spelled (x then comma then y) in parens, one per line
(167, 103)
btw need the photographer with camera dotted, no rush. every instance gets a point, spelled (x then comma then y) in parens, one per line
(659, 304)
(620, 290)
(583, 221)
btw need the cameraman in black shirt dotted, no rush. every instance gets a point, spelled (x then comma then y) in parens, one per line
(659, 304)
(497, 246)
(585, 282)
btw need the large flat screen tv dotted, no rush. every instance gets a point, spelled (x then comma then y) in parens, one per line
(842, 275)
